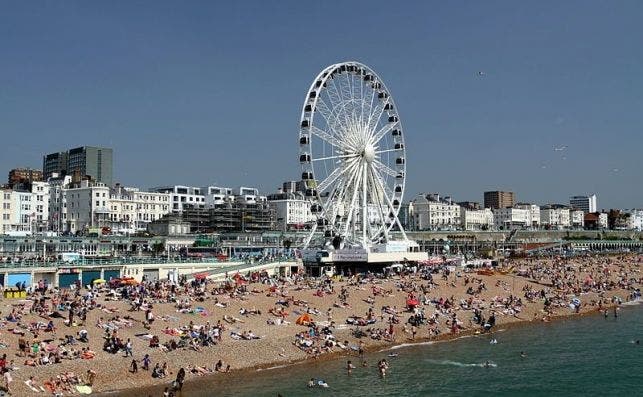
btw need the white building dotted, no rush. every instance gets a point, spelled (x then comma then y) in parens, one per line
(84, 207)
(586, 203)
(534, 213)
(576, 218)
(5, 210)
(40, 197)
(181, 196)
(635, 220)
(249, 195)
(215, 195)
(603, 220)
(430, 212)
(555, 216)
(292, 210)
(131, 210)
(480, 219)
(512, 218)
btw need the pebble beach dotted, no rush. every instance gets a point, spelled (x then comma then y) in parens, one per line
(213, 328)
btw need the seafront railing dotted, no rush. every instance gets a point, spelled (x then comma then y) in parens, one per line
(110, 261)
(125, 261)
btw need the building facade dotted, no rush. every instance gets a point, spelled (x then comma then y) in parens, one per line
(512, 218)
(586, 203)
(92, 161)
(635, 219)
(24, 175)
(534, 213)
(555, 216)
(576, 218)
(430, 212)
(131, 210)
(182, 196)
(292, 210)
(499, 199)
(476, 219)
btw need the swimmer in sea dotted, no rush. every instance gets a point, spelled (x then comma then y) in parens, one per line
(487, 364)
(523, 355)
(311, 382)
(349, 367)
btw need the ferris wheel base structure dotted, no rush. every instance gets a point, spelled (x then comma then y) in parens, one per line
(383, 254)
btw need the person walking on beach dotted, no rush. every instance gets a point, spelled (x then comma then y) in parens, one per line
(134, 367)
(146, 362)
(180, 378)
(128, 348)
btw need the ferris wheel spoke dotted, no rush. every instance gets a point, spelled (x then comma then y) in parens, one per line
(334, 123)
(337, 172)
(341, 156)
(387, 151)
(385, 168)
(374, 116)
(383, 131)
(329, 138)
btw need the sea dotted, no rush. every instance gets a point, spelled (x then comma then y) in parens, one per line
(589, 355)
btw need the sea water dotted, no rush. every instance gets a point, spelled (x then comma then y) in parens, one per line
(582, 356)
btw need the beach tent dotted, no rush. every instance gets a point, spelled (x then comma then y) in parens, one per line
(200, 276)
(304, 319)
(128, 281)
(99, 281)
(238, 279)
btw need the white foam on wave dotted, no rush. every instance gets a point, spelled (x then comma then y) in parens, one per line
(403, 345)
(632, 303)
(280, 366)
(459, 364)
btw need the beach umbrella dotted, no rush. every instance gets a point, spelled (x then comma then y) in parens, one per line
(99, 281)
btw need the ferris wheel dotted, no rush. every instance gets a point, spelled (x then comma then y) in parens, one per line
(351, 150)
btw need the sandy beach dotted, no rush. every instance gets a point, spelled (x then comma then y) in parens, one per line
(254, 325)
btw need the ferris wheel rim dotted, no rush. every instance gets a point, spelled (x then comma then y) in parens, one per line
(391, 198)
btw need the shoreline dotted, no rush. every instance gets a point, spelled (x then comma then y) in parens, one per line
(369, 349)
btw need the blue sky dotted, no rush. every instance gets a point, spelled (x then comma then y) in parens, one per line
(210, 92)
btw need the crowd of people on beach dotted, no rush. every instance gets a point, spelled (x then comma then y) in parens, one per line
(152, 322)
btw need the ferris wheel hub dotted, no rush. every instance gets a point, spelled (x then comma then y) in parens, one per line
(368, 153)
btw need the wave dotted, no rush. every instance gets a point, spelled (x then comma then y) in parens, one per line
(403, 345)
(275, 367)
(632, 303)
(459, 364)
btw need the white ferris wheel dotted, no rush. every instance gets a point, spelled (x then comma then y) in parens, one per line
(351, 150)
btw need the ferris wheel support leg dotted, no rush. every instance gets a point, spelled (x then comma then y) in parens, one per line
(397, 220)
(310, 236)
(364, 204)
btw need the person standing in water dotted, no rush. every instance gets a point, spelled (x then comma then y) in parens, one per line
(349, 367)
(382, 366)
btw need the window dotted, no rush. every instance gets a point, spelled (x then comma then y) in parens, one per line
(97, 203)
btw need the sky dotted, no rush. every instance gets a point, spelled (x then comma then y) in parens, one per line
(210, 93)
